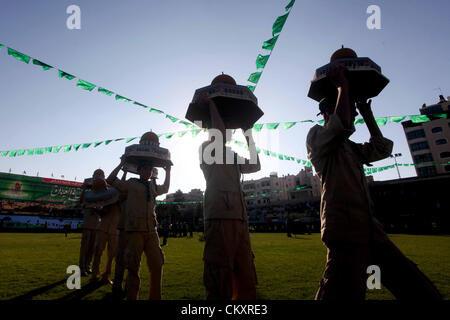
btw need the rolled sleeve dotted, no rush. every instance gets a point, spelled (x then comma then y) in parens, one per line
(161, 189)
(377, 148)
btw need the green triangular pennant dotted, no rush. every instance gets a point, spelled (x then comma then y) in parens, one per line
(66, 75)
(290, 5)
(85, 85)
(140, 104)
(279, 23)
(153, 110)
(41, 64)
(19, 56)
(397, 119)
(288, 125)
(105, 91)
(270, 44)
(254, 77)
(122, 98)
(272, 126)
(171, 118)
(261, 61)
(258, 126)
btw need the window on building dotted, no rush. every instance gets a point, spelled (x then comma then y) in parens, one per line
(426, 157)
(427, 171)
(415, 134)
(420, 146)
(445, 154)
(436, 129)
(441, 141)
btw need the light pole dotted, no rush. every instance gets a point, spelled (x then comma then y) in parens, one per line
(395, 155)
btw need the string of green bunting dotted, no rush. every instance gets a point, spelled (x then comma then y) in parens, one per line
(89, 86)
(381, 121)
(372, 170)
(269, 45)
(261, 61)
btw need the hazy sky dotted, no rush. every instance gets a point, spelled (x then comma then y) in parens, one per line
(159, 52)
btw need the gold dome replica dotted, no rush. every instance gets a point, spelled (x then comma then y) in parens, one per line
(148, 151)
(236, 104)
(365, 78)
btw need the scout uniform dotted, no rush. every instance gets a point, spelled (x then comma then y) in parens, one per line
(229, 269)
(121, 245)
(350, 232)
(142, 236)
(107, 234)
(90, 225)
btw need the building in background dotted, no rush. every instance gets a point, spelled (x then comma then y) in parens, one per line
(304, 186)
(429, 142)
(179, 196)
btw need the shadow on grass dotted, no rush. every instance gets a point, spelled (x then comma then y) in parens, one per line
(29, 295)
(84, 291)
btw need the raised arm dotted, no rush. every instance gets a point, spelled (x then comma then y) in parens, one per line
(113, 175)
(124, 176)
(379, 147)
(251, 165)
(365, 110)
(343, 106)
(164, 188)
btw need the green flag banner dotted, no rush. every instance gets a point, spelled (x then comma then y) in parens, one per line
(381, 121)
(18, 55)
(272, 126)
(288, 125)
(397, 119)
(86, 85)
(279, 23)
(290, 5)
(105, 91)
(66, 75)
(254, 77)
(121, 98)
(41, 64)
(261, 61)
(270, 44)
(83, 84)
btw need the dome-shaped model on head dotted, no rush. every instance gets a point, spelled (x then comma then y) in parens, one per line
(223, 78)
(343, 53)
(149, 138)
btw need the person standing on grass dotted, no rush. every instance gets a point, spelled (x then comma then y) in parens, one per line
(353, 237)
(121, 244)
(229, 269)
(141, 226)
(91, 221)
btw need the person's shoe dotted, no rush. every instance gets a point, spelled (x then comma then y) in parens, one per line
(89, 271)
(106, 279)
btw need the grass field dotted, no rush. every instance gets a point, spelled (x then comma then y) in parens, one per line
(288, 268)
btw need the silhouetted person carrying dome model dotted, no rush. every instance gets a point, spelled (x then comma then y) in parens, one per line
(353, 237)
(140, 222)
(229, 270)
